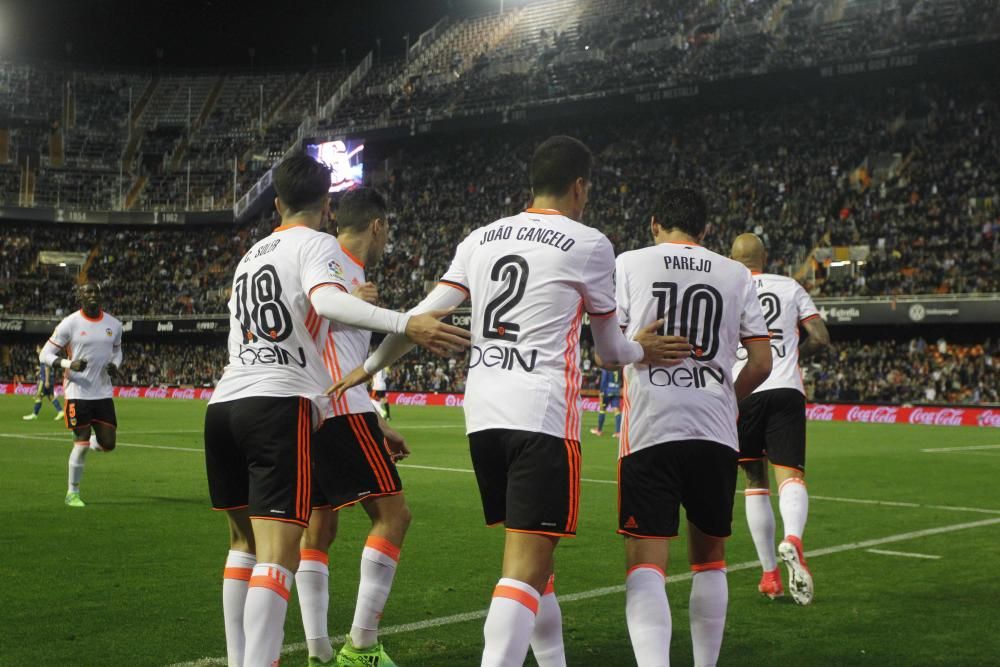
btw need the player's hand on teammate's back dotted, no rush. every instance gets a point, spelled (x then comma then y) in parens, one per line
(366, 292)
(111, 370)
(352, 379)
(662, 350)
(78, 365)
(427, 330)
(394, 442)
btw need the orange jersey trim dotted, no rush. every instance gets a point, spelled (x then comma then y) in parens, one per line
(314, 554)
(603, 315)
(649, 566)
(241, 573)
(337, 285)
(283, 228)
(351, 257)
(61, 347)
(550, 585)
(459, 286)
(92, 319)
(517, 595)
(811, 317)
(751, 339)
(704, 567)
(385, 546)
(573, 458)
(545, 211)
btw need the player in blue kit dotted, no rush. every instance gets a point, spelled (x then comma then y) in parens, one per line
(611, 398)
(45, 388)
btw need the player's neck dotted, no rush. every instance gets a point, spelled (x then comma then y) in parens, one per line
(93, 313)
(355, 246)
(676, 236)
(310, 220)
(563, 205)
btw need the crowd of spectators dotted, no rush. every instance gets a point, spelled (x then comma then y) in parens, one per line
(884, 371)
(912, 173)
(900, 371)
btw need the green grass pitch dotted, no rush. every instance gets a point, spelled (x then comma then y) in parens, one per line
(135, 577)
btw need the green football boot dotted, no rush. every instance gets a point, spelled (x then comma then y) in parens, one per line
(73, 500)
(373, 656)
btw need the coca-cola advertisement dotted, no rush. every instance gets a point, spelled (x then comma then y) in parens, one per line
(891, 414)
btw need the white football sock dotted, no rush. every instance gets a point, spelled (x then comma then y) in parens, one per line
(264, 614)
(647, 613)
(96, 446)
(76, 458)
(546, 638)
(793, 502)
(709, 600)
(760, 518)
(236, 578)
(378, 568)
(509, 624)
(313, 583)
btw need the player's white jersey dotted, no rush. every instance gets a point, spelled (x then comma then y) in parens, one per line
(785, 304)
(347, 347)
(531, 277)
(711, 300)
(99, 341)
(378, 380)
(274, 333)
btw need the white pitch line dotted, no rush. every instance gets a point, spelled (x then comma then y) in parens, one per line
(858, 501)
(905, 554)
(611, 590)
(949, 450)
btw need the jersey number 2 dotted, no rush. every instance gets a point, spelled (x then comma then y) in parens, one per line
(513, 271)
(265, 310)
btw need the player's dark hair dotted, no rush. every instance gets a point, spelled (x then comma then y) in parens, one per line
(557, 163)
(681, 208)
(302, 183)
(358, 208)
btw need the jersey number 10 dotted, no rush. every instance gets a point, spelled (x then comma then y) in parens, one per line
(699, 317)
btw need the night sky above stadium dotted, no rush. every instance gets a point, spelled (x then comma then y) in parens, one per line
(212, 33)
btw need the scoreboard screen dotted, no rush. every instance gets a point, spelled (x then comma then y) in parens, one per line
(345, 161)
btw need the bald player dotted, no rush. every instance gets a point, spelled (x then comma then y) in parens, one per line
(772, 425)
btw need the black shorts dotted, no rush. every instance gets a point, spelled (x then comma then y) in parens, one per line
(257, 455)
(529, 481)
(81, 413)
(351, 462)
(654, 482)
(772, 424)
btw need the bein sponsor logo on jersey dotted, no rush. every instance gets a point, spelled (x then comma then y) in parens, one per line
(502, 357)
(698, 377)
(989, 418)
(942, 417)
(276, 355)
(873, 415)
(820, 413)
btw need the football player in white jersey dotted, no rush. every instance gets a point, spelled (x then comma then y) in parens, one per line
(531, 277)
(259, 422)
(380, 391)
(88, 344)
(679, 444)
(354, 461)
(772, 424)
